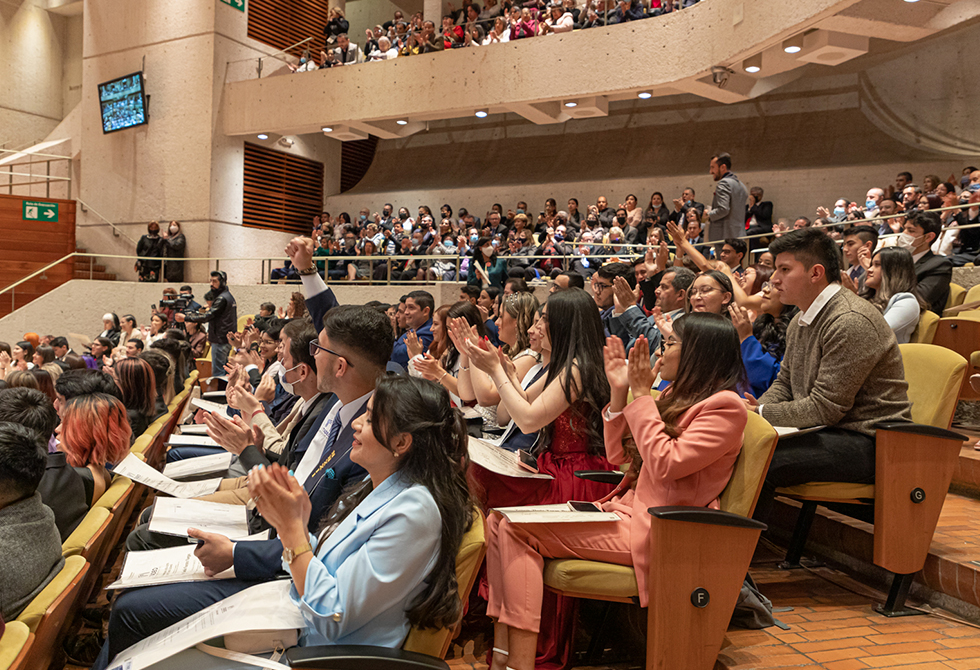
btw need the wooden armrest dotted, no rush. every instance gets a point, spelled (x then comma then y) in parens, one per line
(705, 515)
(359, 657)
(602, 476)
(920, 429)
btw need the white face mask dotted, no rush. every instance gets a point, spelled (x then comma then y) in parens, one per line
(174, 230)
(287, 386)
(906, 241)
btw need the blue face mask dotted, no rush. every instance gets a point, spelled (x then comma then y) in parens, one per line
(495, 243)
(839, 211)
(521, 211)
(870, 204)
(559, 237)
(363, 217)
(448, 244)
(473, 239)
(302, 61)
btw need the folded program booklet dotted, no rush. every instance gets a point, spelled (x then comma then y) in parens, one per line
(560, 513)
(499, 460)
(140, 472)
(202, 465)
(172, 516)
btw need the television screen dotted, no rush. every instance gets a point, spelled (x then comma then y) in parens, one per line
(123, 103)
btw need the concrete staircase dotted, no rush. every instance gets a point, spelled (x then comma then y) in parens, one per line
(77, 268)
(89, 268)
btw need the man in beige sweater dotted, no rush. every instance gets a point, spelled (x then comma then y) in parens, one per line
(842, 369)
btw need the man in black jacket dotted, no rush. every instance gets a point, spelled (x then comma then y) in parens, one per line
(223, 317)
(932, 272)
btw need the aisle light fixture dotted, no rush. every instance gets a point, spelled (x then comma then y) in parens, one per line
(794, 45)
(481, 113)
(752, 64)
(644, 95)
(262, 136)
(402, 122)
(910, 1)
(327, 129)
(571, 103)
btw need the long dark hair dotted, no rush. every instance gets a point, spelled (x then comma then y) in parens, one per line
(704, 337)
(138, 385)
(577, 338)
(463, 309)
(771, 330)
(437, 460)
(897, 276)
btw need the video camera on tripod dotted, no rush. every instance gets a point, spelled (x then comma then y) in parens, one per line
(179, 303)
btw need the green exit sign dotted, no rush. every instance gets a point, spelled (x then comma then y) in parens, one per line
(237, 4)
(40, 211)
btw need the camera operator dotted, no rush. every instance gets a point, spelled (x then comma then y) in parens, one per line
(187, 294)
(222, 317)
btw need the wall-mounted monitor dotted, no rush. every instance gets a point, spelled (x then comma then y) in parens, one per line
(123, 103)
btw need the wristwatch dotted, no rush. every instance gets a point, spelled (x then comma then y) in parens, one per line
(308, 271)
(290, 555)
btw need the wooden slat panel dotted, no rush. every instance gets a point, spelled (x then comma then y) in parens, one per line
(281, 23)
(281, 191)
(355, 159)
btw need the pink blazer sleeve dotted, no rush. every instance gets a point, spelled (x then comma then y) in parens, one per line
(709, 435)
(613, 432)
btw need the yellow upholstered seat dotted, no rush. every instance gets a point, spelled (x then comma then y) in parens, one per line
(972, 295)
(607, 581)
(830, 491)
(956, 296)
(472, 549)
(14, 645)
(92, 526)
(243, 320)
(115, 491)
(49, 595)
(926, 330)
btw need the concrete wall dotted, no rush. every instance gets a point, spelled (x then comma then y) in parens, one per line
(32, 50)
(78, 306)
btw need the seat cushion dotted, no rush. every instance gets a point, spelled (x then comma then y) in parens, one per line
(591, 579)
(14, 638)
(829, 491)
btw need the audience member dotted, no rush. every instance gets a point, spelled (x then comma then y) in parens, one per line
(890, 286)
(933, 272)
(139, 395)
(222, 318)
(31, 555)
(728, 204)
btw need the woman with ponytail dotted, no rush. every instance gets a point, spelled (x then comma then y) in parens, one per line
(393, 564)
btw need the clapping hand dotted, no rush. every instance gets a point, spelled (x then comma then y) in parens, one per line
(235, 340)
(675, 232)
(281, 501)
(623, 296)
(617, 369)
(864, 257)
(429, 368)
(847, 282)
(481, 354)
(663, 323)
(640, 375)
(413, 344)
(233, 435)
(266, 390)
(740, 319)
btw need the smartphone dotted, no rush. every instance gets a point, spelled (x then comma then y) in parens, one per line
(153, 306)
(579, 506)
(527, 461)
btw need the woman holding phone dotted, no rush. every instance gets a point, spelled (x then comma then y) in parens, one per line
(687, 442)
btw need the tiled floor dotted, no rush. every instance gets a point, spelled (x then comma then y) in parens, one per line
(830, 628)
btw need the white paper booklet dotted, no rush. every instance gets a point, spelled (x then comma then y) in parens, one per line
(191, 440)
(212, 407)
(262, 607)
(172, 565)
(138, 471)
(786, 431)
(172, 516)
(560, 513)
(499, 460)
(202, 465)
(193, 429)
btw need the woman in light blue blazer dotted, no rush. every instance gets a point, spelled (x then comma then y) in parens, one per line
(385, 558)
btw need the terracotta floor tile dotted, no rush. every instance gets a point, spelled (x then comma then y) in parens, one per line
(827, 645)
(963, 652)
(905, 648)
(909, 636)
(849, 653)
(964, 664)
(850, 664)
(859, 631)
(907, 659)
(959, 642)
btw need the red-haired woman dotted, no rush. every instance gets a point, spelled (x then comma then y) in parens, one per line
(94, 431)
(138, 384)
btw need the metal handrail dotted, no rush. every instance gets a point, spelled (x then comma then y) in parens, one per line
(116, 231)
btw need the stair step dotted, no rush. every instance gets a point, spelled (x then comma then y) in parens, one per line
(952, 567)
(83, 266)
(84, 274)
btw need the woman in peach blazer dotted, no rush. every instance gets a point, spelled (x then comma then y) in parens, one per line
(687, 442)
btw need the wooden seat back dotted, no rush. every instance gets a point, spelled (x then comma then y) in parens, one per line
(961, 335)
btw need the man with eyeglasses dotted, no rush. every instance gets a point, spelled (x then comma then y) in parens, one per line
(602, 289)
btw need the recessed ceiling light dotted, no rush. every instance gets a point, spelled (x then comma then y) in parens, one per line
(571, 103)
(327, 129)
(752, 64)
(481, 113)
(644, 95)
(402, 122)
(262, 136)
(793, 45)
(911, 0)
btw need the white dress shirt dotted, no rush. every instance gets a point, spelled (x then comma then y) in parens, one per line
(341, 412)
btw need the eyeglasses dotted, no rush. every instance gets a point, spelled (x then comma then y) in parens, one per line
(766, 286)
(694, 293)
(599, 286)
(314, 347)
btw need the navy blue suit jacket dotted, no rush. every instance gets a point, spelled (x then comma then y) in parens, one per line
(262, 560)
(400, 353)
(318, 306)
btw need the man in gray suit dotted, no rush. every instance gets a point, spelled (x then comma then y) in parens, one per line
(727, 213)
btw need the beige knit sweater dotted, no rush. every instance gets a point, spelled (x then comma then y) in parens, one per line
(843, 370)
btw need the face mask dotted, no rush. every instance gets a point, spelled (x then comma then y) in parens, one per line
(349, 242)
(286, 386)
(906, 241)
(559, 237)
(415, 242)
(403, 215)
(870, 204)
(621, 220)
(520, 211)
(174, 230)
(386, 213)
(363, 217)
(302, 61)
(473, 239)
(495, 244)
(487, 249)
(839, 211)
(448, 244)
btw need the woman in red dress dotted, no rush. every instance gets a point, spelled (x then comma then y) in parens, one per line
(565, 406)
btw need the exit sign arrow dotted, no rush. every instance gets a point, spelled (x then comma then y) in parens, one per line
(36, 210)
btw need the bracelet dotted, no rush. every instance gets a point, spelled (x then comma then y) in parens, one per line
(308, 271)
(462, 368)
(500, 386)
(443, 376)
